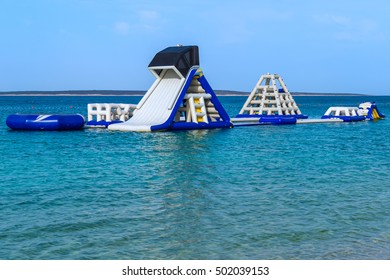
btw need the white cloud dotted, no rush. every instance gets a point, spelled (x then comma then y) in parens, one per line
(229, 28)
(348, 29)
(148, 15)
(122, 27)
(333, 19)
(149, 20)
(144, 21)
(340, 20)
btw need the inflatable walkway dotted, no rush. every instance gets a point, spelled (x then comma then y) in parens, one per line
(180, 98)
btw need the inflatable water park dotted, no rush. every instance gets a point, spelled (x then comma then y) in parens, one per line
(181, 98)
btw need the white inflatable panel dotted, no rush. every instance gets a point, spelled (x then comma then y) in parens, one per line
(157, 107)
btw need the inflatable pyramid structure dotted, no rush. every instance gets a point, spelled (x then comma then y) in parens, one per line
(180, 98)
(269, 99)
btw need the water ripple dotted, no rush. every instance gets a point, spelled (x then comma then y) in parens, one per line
(290, 192)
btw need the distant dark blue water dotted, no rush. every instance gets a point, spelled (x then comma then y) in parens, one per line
(319, 191)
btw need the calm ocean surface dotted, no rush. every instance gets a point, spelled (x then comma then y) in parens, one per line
(319, 191)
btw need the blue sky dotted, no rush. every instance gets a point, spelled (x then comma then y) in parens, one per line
(317, 46)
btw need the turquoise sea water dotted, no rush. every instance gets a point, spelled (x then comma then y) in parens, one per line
(319, 191)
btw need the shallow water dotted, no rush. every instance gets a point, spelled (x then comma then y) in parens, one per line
(319, 191)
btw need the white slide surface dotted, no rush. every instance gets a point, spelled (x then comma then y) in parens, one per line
(156, 106)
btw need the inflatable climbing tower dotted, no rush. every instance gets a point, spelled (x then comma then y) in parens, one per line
(180, 98)
(270, 98)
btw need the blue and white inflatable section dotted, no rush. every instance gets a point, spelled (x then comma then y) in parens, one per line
(367, 111)
(104, 114)
(179, 99)
(346, 114)
(45, 122)
(370, 111)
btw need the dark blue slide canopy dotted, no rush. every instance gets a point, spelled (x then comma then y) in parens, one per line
(182, 57)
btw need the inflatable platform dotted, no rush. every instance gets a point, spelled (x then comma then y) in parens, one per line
(346, 114)
(104, 114)
(367, 111)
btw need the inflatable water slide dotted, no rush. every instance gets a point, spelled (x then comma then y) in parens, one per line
(179, 99)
